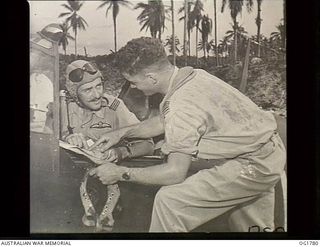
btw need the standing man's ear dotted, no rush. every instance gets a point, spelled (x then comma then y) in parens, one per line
(153, 77)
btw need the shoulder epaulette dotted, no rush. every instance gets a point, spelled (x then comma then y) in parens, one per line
(165, 108)
(114, 105)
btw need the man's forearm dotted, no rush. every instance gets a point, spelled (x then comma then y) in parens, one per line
(149, 128)
(144, 130)
(153, 175)
(172, 172)
(137, 149)
(141, 148)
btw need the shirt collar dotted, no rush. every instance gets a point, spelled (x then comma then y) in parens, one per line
(179, 78)
(172, 78)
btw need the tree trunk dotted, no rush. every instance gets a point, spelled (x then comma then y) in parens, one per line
(189, 43)
(197, 26)
(189, 28)
(153, 34)
(185, 31)
(173, 34)
(285, 24)
(244, 77)
(115, 33)
(235, 40)
(75, 43)
(215, 33)
(259, 28)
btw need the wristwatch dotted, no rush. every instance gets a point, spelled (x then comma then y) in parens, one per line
(129, 150)
(126, 176)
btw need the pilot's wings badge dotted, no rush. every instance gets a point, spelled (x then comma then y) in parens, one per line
(100, 125)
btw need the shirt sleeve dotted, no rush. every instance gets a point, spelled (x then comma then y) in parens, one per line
(183, 131)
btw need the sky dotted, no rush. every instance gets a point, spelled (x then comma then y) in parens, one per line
(98, 36)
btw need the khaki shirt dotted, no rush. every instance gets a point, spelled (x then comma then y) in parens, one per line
(207, 118)
(113, 115)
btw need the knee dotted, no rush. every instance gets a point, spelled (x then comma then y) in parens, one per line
(163, 197)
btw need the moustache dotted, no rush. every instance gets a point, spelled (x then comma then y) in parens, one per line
(95, 99)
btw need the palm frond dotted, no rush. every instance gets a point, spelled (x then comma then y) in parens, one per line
(141, 5)
(64, 14)
(125, 3)
(70, 19)
(80, 5)
(249, 4)
(107, 10)
(145, 25)
(70, 37)
(102, 4)
(82, 22)
(224, 2)
(67, 7)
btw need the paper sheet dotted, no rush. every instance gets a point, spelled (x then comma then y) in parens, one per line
(94, 156)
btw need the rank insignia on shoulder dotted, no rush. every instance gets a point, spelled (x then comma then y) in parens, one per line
(114, 105)
(100, 125)
(165, 108)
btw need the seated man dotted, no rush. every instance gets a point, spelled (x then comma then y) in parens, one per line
(202, 117)
(91, 114)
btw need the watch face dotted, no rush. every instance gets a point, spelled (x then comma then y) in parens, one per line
(126, 176)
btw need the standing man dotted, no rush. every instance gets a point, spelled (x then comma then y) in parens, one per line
(203, 118)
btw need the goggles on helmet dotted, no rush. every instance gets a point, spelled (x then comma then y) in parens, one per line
(76, 75)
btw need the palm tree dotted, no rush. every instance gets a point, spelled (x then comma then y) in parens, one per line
(213, 46)
(173, 33)
(238, 34)
(172, 47)
(277, 38)
(239, 30)
(190, 20)
(115, 5)
(215, 31)
(75, 20)
(235, 7)
(263, 43)
(185, 27)
(64, 40)
(258, 22)
(224, 46)
(152, 17)
(206, 28)
(196, 15)
(205, 46)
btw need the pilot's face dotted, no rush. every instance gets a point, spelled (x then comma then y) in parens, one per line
(90, 94)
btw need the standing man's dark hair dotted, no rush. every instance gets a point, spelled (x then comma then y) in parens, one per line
(139, 53)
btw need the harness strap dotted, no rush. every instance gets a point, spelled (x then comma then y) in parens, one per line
(105, 220)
